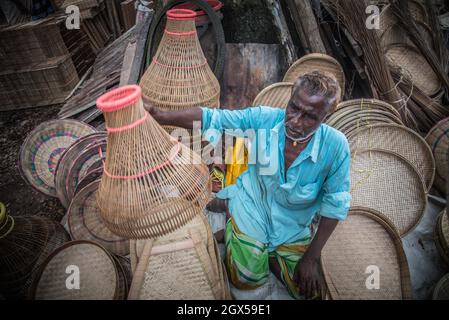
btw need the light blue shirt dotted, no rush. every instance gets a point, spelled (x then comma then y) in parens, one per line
(265, 205)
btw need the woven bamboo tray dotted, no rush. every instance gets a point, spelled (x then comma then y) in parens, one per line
(441, 291)
(386, 182)
(352, 121)
(181, 265)
(66, 160)
(398, 139)
(410, 60)
(313, 62)
(40, 153)
(89, 159)
(276, 95)
(366, 238)
(441, 236)
(85, 222)
(438, 140)
(25, 242)
(369, 104)
(94, 173)
(98, 272)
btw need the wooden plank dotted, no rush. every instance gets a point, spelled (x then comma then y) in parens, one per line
(309, 25)
(142, 29)
(282, 30)
(298, 26)
(249, 67)
(129, 13)
(127, 63)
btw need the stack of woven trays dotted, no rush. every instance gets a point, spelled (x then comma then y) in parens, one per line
(442, 236)
(401, 52)
(438, 140)
(42, 62)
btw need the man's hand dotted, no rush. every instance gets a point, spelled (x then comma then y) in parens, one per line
(307, 276)
(181, 118)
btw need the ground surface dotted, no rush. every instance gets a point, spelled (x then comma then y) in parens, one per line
(15, 193)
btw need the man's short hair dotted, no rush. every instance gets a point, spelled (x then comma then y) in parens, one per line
(322, 84)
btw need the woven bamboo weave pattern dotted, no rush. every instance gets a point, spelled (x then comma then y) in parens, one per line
(193, 272)
(276, 95)
(97, 271)
(386, 182)
(151, 184)
(40, 153)
(316, 62)
(365, 239)
(395, 138)
(438, 140)
(85, 222)
(179, 76)
(441, 291)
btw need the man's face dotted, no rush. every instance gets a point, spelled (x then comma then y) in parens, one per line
(304, 114)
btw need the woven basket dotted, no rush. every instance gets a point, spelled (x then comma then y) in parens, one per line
(181, 265)
(85, 222)
(25, 242)
(438, 140)
(365, 239)
(441, 291)
(316, 62)
(276, 95)
(40, 153)
(99, 274)
(151, 184)
(179, 76)
(398, 139)
(95, 172)
(386, 182)
(66, 160)
(410, 60)
(441, 236)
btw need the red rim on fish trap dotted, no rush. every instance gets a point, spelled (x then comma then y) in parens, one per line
(179, 76)
(151, 184)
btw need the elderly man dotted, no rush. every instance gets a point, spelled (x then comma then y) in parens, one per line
(271, 211)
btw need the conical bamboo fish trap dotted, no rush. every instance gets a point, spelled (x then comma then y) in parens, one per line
(25, 242)
(152, 184)
(184, 264)
(179, 76)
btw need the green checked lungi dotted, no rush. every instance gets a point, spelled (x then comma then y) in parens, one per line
(247, 260)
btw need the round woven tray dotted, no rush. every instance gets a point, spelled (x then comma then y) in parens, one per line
(387, 182)
(99, 278)
(398, 139)
(174, 267)
(94, 173)
(276, 95)
(313, 62)
(351, 121)
(66, 160)
(89, 159)
(369, 104)
(40, 153)
(365, 240)
(438, 140)
(85, 222)
(441, 236)
(441, 291)
(421, 73)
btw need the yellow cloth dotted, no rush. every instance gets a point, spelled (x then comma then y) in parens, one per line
(239, 161)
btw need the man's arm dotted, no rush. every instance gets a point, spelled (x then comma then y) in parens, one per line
(181, 118)
(307, 274)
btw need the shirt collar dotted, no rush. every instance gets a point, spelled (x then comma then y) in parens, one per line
(313, 146)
